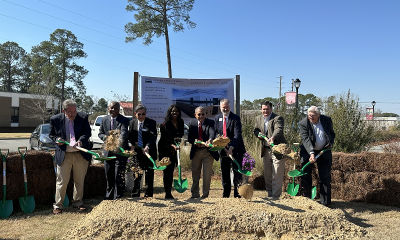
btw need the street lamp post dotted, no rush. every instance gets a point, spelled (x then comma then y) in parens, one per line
(373, 109)
(297, 85)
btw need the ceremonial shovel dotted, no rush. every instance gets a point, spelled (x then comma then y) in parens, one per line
(297, 173)
(279, 156)
(293, 188)
(66, 199)
(97, 157)
(180, 185)
(6, 206)
(152, 160)
(26, 202)
(245, 172)
(210, 145)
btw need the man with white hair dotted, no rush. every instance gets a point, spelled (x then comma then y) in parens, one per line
(316, 132)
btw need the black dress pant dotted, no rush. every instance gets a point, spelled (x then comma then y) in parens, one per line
(226, 163)
(144, 164)
(324, 164)
(168, 175)
(115, 176)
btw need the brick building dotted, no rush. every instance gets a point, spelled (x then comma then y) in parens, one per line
(22, 112)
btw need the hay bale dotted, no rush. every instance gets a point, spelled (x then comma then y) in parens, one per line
(259, 183)
(385, 163)
(337, 176)
(352, 162)
(368, 180)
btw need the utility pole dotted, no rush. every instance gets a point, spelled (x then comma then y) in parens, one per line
(292, 84)
(280, 90)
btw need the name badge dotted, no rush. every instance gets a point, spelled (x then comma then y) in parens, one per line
(220, 119)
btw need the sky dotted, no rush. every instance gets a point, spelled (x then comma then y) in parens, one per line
(331, 46)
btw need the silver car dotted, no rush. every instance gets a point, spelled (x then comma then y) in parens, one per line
(40, 140)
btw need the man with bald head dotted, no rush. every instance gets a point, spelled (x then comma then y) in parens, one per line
(115, 169)
(316, 132)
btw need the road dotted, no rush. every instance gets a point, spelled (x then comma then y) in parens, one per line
(13, 144)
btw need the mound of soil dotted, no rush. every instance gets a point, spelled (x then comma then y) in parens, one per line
(215, 218)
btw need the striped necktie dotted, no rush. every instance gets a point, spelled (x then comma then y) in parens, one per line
(140, 140)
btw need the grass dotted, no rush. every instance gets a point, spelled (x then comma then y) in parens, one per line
(380, 221)
(15, 135)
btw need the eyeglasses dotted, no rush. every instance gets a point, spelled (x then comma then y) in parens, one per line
(200, 114)
(141, 114)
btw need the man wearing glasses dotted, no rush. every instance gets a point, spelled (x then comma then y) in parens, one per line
(143, 136)
(201, 129)
(316, 132)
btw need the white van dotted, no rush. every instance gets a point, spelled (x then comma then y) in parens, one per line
(96, 127)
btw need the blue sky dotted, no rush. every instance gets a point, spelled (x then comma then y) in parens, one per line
(331, 46)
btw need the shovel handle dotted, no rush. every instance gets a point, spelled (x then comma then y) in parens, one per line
(205, 144)
(22, 150)
(3, 154)
(266, 139)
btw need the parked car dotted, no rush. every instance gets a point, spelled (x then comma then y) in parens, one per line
(96, 128)
(39, 139)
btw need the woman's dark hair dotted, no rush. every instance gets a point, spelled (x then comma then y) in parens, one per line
(168, 116)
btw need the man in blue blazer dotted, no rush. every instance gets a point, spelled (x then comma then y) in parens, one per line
(146, 129)
(201, 129)
(115, 169)
(228, 124)
(316, 132)
(73, 127)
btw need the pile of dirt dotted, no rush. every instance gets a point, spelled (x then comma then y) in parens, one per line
(214, 218)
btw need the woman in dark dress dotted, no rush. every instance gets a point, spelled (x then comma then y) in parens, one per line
(173, 127)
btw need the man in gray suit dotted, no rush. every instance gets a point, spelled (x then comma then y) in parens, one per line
(316, 132)
(271, 125)
(115, 169)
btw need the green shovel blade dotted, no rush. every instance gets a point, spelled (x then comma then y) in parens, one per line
(239, 170)
(313, 192)
(27, 204)
(6, 208)
(292, 188)
(179, 184)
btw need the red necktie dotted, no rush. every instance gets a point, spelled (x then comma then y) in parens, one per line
(200, 132)
(225, 135)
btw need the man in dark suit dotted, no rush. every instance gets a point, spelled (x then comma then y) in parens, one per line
(201, 129)
(316, 132)
(271, 125)
(143, 136)
(228, 124)
(115, 169)
(73, 127)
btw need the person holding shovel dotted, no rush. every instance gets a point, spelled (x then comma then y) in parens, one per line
(171, 129)
(316, 132)
(115, 168)
(143, 136)
(228, 124)
(271, 125)
(73, 127)
(201, 129)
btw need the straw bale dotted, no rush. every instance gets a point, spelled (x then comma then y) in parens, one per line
(38, 160)
(384, 196)
(391, 182)
(259, 183)
(14, 163)
(351, 162)
(366, 179)
(95, 181)
(386, 163)
(337, 176)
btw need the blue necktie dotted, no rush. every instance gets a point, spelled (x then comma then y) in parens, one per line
(140, 140)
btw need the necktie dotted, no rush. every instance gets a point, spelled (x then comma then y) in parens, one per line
(224, 130)
(71, 134)
(140, 140)
(200, 132)
(112, 123)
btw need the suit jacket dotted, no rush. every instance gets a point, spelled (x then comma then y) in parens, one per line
(274, 129)
(234, 133)
(149, 135)
(82, 132)
(208, 133)
(121, 124)
(308, 136)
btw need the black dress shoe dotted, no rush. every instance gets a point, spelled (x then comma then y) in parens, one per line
(135, 195)
(169, 197)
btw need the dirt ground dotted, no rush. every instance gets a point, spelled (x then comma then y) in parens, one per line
(380, 222)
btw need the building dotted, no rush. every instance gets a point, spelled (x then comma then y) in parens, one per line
(23, 112)
(384, 123)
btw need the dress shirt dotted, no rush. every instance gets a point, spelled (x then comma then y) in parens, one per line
(320, 140)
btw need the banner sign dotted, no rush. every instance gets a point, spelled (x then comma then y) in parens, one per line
(370, 114)
(158, 94)
(290, 97)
